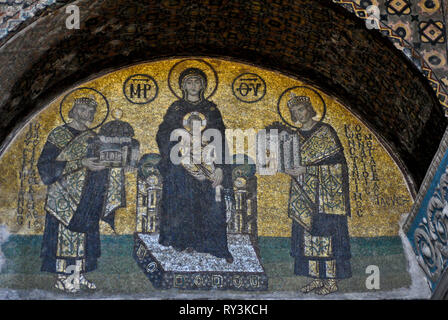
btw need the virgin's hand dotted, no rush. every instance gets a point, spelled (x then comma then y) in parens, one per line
(90, 164)
(199, 176)
(217, 177)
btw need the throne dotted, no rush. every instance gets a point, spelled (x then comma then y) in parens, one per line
(167, 268)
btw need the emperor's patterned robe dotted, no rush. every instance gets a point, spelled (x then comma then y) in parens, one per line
(77, 199)
(319, 205)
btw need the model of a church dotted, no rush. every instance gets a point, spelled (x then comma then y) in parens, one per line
(115, 146)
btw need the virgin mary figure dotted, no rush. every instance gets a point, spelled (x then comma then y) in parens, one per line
(192, 216)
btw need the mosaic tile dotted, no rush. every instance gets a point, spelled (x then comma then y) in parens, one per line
(93, 171)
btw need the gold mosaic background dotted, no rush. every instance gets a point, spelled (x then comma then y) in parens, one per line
(376, 208)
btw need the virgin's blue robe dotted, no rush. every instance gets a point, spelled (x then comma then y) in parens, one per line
(190, 216)
(87, 215)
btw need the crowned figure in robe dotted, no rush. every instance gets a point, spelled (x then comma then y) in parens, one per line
(319, 202)
(81, 192)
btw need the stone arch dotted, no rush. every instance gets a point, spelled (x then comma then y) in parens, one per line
(319, 42)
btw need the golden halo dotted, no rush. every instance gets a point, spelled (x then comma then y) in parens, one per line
(187, 117)
(102, 109)
(176, 70)
(316, 100)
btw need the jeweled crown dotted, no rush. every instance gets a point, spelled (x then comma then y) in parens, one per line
(87, 101)
(294, 99)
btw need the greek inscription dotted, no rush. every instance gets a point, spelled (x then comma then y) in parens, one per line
(249, 87)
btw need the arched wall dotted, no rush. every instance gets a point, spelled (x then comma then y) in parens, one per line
(317, 41)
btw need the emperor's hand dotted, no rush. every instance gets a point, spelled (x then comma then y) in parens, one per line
(128, 169)
(92, 165)
(295, 172)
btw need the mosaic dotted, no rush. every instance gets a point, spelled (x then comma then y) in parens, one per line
(93, 199)
(13, 13)
(417, 28)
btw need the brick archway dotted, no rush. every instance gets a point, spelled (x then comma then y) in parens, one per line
(316, 41)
